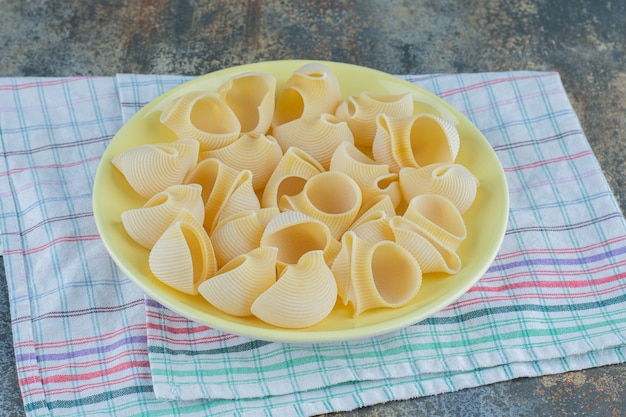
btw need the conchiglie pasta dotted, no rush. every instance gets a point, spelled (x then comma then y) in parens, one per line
(434, 140)
(373, 179)
(438, 218)
(429, 254)
(391, 142)
(183, 256)
(259, 154)
(414, 141)
(379, 203)
(341, 266)
(150, 169)
(331, 197)
(295, 234)
(203, 116)
(312, 90)
(453, 181)
(360, 113)
(304, 294)
(241, 197)
(235, 287)
(211, 174)
(251, 96)
(146, 224)
(373, 226)
(293, 170)
(381, 274)
(317, 135)
(225, 191)
(240, 233)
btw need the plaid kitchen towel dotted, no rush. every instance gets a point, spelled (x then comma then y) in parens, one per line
(88, 343)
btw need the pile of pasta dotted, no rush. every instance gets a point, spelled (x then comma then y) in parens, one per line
(275, 203)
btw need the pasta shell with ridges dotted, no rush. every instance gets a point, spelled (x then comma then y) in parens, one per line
(146, 224)
(373, 178)
(378, 203)
(150, 169)
(210, 174)
(414, 141)
(295, 234)
(203, 116)
(304, 294)
(431, 256)
(240, 233)
(183, 256)
(235, 287)
(293, 170)
(433, 140)
(259, 154)
(225, 190)
(317, 135)
(391, 142)
(453, 181)
(382, 274)
(311, 90)
(340, 266)
(331, 197)
(251, 96)
(438, 218)
(360, 113)
(241, 197)
(373, 226)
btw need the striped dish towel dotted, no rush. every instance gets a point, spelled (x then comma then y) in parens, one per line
(87, 342)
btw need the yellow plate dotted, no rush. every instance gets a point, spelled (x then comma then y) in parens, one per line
(486, 220)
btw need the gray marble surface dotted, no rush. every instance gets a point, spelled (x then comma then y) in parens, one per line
(585, 41)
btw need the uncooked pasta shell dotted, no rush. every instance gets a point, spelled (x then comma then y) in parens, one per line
(453, 181)
(295, 234)
(340, 266)
(241, 281)
(152, 168)
(210, 173)
(382, 274)
(260, 154)
(240, 233)
(293, 170)
(317, 135)
(304, 294)
(251, 96)
(241, 196)
(183, 256)
(431, 256)
(414, 141)
(360, 113)
(438, 218)
(433, 140)
(331, 197)
(373, 226)
(373, 178)
(391, 142)
(203, 116)
(146, 224)
(312, 90)
(379, 203)
(225, 190)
